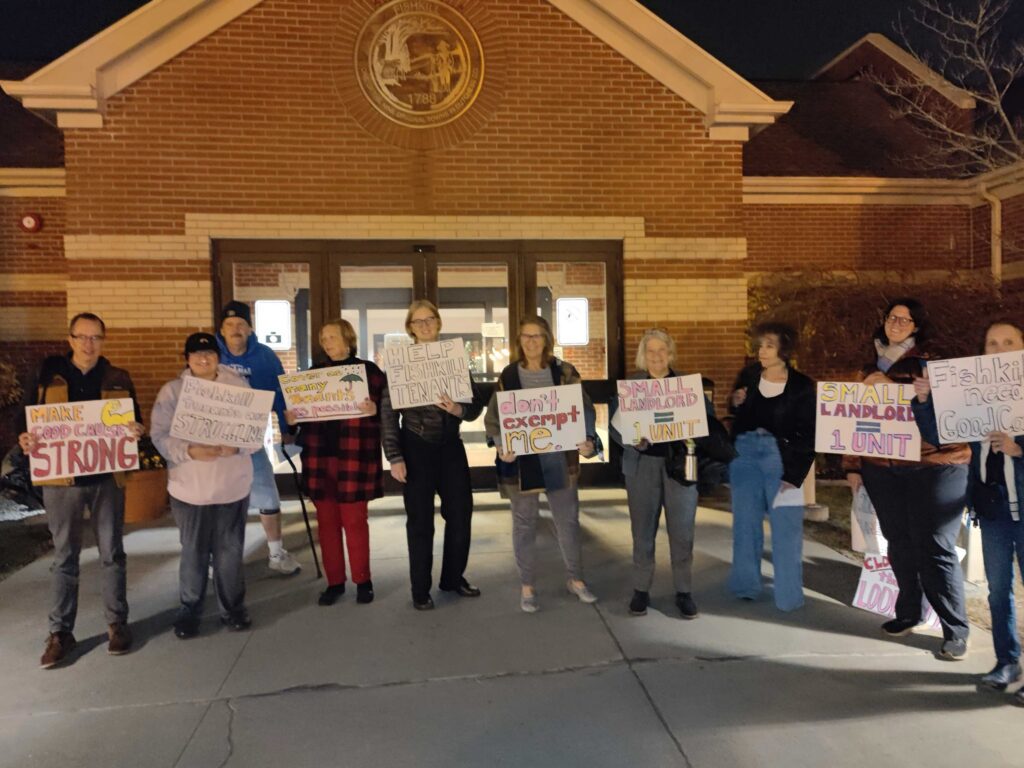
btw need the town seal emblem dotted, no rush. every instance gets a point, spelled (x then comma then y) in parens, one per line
(419, 62)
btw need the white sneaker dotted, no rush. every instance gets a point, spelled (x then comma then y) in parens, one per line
(581, 591)
(528, 603)
(284, 563)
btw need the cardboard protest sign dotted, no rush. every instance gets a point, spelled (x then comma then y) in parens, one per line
(79, 439)
(862, 420)
(541, 420)
(661, 410)
(865, 530)
(877, 592)
(977, 395)
(421, 374)
(210, 413)
(325, 394)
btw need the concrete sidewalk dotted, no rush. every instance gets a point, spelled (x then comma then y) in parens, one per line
(478, 683)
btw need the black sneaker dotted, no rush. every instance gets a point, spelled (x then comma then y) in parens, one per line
(638, 605)
(900, 627)
(186, 627)
(464, 589)
(953, 650)
(1001, 676)
(331, 594)
(686, 606)
(364, 592)
(237, 621)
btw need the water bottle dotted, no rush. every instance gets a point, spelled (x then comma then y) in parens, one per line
(690, 465)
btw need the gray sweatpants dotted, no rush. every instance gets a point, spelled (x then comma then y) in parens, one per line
(214, 531)
(565, 510)
(647, 491)
(65, 514)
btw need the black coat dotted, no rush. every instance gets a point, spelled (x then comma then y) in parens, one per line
(794, 419)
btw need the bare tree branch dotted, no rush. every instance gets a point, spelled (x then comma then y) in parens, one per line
(967, 48)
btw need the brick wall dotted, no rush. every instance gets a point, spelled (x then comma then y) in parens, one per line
(248, 120)
(857, 237)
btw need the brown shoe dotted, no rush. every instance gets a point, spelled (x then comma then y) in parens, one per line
(58, 646)
(120, 639)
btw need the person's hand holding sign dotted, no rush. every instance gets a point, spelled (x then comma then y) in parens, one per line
(1004, 443)
(587, 449)
(450, 406)
(643, 445)
(135, 430)
(508, 458)
(368, 407)
(922, 386)
(27, 442)
(210, 452)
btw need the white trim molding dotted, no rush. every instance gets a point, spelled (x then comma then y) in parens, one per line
(32, 182)
(72, 91)
(956, 96)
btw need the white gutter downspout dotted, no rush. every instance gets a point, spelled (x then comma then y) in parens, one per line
(996, 242)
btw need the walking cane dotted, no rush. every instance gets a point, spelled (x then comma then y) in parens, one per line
(305, 514)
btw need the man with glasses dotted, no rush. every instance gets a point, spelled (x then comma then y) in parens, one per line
(80, 375)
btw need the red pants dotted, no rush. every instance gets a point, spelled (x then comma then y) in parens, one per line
(333, 518)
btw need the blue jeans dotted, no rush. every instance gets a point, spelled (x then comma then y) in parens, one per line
(1001, 539)
(755, 476)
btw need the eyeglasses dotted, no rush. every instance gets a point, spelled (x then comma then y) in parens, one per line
(83, 337)
(424, 322)
(531, 336)
(900, 321)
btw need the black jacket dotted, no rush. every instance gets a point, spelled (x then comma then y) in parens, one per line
(428, 422)
(794, 419)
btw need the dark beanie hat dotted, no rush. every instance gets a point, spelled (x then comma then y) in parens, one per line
(236, 309)
(201, 342)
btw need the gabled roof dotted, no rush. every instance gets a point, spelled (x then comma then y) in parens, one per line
(72, 91)
(25, 140)
(834, 129)
(850, 62)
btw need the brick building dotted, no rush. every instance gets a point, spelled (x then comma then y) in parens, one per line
(495, 156)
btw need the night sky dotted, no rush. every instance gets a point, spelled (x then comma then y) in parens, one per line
(763, 39)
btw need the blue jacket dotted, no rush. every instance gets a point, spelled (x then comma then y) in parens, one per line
(924, 414)
(260, 367)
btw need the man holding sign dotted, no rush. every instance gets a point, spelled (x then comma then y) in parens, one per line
(79, 376)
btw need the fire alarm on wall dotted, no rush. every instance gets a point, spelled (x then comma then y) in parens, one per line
(31, 222)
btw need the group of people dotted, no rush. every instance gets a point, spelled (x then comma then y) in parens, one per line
(773, 406)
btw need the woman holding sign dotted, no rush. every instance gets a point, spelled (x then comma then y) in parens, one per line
(995, 487)
(919, 503)
(342, 470)
(427, 456)
(650, 486)
(522, 479)
(209, 489)
(774, 407)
